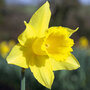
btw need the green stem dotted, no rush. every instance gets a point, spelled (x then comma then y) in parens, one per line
(23, 79)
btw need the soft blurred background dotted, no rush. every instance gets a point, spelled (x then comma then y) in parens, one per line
(67, 13)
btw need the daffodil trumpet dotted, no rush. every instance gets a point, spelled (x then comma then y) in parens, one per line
(44, 49)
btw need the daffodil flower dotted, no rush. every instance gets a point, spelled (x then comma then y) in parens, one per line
(44, 49)
(83, 42)
(4, 49)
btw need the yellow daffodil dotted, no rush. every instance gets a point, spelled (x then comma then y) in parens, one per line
(44, 49)
(83, 42)
(4, 49)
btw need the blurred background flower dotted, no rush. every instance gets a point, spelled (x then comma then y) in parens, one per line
(5, 47)
(83, 42)
(67, 13)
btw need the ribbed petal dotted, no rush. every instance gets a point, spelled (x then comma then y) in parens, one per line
(42, 70)
(27, 36)
(70, 64)
(40, 20)
(17, 57)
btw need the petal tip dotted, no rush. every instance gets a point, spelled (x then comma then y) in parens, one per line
(47, 4)
(49, 86)
(77, 28)
(25, 22)
(8, 59)
(78, 65)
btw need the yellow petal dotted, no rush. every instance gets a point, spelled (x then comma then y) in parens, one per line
(17, 57)
(70, 64)
(42, 70)
(25, 37)
(71, 31)
(40, 20)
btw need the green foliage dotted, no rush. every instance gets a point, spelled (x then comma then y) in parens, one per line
(64, 80)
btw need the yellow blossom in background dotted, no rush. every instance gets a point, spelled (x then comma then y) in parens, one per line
(5, 47)
(44, 49)
(83, 42)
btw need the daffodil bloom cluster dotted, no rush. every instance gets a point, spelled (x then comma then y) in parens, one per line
(44, 49)
(5, 47)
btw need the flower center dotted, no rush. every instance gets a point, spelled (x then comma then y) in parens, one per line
(56, 44)
(47, 45)
(36, 47)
